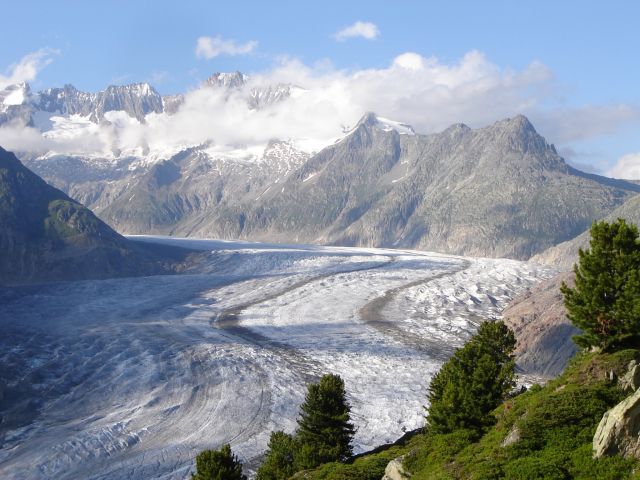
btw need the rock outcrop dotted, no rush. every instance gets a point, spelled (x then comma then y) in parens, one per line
(619, 430)
(395, 470)
(630, 382)
(512, 437)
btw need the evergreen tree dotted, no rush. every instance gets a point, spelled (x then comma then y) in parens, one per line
(279, 461)
(218, 465)
(473, 381)
(605, 303)
(324, 431)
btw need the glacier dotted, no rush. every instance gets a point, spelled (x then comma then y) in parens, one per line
(131, 378)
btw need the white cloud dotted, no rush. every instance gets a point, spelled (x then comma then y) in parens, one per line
(409, 61)
(585, 122)
(366, 30)
(28, 67)
(422, 91)
(20, 138)
(627, 167)
(211, 47)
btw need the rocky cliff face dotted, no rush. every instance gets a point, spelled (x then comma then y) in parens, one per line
(47, 236)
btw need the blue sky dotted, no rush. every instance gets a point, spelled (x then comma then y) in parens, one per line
(590, 50)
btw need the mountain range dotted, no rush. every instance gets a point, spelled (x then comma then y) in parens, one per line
(500, 191)
(19, 103)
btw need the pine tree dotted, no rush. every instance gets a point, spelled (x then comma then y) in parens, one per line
(324, 431)
(605, 303)
(473, 381)
(218, 465)
(279, 461)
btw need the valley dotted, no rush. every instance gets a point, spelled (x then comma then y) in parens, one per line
(131, 377)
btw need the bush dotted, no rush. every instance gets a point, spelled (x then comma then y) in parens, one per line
(532, 468)
(218, 465)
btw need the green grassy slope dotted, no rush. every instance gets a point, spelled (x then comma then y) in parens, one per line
(555, 425)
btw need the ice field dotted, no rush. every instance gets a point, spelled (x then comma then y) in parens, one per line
(131, 378)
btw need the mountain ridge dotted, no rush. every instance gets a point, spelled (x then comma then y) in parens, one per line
(501, 190)
(565, 254)
(47, 236)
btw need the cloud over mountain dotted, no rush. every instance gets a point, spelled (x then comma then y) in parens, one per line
(321, 102)
(28, 67)
(627, 167)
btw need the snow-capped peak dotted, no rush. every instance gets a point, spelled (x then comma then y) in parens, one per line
(371, 120)
(388, 125)
(16, 94)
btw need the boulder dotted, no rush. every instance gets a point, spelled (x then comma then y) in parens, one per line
(512, 437)
(631, 380)
(395, 470)
(618, 431)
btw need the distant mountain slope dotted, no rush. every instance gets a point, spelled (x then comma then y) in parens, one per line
(565, 254)
(496, 191)
(499, 191)
(539, 320)
(47, 236)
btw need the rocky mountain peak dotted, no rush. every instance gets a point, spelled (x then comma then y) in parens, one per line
(226, 80)
(518, 134)
(137, 99)
(371, 121)
(516, 127)
(141, 89)
(457, 129)
(519, 123)
(260, 97)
